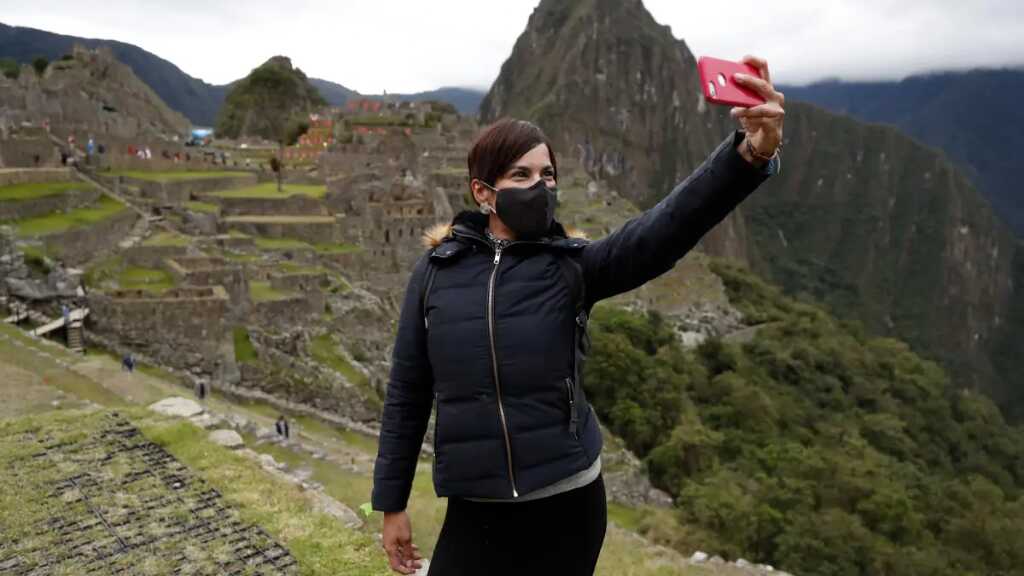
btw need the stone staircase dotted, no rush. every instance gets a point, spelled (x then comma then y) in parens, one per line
(76, 337)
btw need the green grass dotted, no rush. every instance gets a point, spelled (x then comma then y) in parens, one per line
(148, 279)
(245, 353)
(166, 239)
(49, 371)
(21, 192)
(281, 244)
(294, 244)
(106, 207)
(290, 267)
(269, 190)
(173, 176)
(325, 351)
(202, 207)
(261, 291)
(239, 257)
(320, 544)
(100, 272)
(35, 258)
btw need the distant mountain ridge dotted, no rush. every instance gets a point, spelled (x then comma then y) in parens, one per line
(974, 117)
(199, 101)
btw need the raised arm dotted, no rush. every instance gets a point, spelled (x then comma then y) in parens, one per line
(407, 403)
(650, 244)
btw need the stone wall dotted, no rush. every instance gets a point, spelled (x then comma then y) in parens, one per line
(288, 313)
(311, 229)
(209, 271)
(12, 261)
(180, 191)
(13, 176)
(182, 327)
(18, 209)
(299, 282)
(152, 256)
(23, 152)
(297, 204)
(79, 245)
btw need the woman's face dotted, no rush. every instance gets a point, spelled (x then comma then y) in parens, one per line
(528, 169)
(524, 172)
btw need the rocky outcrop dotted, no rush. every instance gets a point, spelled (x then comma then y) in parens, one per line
(12, 261)
(267, 101)
(881, 228)
(92, 93)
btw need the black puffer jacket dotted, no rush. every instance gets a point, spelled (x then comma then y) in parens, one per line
(493, 344)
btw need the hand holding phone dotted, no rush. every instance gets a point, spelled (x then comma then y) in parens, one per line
(717, 79)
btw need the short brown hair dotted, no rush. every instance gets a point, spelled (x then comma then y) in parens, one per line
(501, 144)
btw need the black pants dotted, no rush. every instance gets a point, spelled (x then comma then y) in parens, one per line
(558, 535)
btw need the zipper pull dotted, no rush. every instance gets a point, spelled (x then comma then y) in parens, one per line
(497, 256)
(573, 415)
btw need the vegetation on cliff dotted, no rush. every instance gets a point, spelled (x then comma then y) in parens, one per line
(272, 102)
(813, 446)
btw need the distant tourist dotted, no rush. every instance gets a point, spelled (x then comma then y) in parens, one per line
(128, 363)
(282, 427)
(201, 389)
(66, 312)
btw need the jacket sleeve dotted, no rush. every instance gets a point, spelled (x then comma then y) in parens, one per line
(407, 403)
(651, 243)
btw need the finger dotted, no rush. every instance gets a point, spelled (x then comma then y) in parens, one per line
(769, 110)
(760, 64)
(396, 563)
(759, 85)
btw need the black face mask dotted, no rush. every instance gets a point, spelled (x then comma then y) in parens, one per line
(529, 212)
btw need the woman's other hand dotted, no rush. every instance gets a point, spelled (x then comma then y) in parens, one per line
(403, 555)
(762, 123)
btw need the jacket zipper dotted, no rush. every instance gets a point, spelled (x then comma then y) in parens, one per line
(494, 365)
(573, 415)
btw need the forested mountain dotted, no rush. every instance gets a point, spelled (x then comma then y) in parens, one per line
(862, 217)
(971, 116)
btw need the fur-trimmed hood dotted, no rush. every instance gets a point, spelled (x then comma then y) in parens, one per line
(436, 234)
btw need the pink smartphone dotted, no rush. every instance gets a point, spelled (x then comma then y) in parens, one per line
(719, 87)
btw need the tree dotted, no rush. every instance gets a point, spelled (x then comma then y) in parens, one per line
(40, 64)
(9, 68)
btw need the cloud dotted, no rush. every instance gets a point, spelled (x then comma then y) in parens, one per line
(410, 45)
(863, 40)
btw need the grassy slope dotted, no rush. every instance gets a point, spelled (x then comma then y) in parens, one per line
(58, 222)
(20, 192)
(319, 543)
(261, 291)
(260, 499)
(269, 190)
(166, 239)
(174, 176)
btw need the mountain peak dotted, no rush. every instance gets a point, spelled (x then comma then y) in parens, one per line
(279, 62)
(610, 84)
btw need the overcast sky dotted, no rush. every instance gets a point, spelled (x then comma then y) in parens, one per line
(413, 45)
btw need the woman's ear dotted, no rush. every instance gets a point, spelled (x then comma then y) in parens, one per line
(481, 193)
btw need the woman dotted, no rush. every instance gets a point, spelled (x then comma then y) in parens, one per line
(491, 335)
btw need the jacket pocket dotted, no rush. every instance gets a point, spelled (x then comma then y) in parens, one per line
(570, 387)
